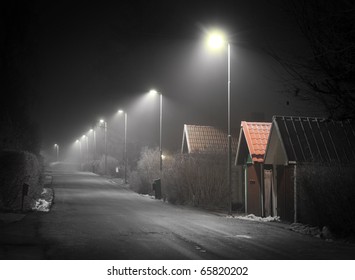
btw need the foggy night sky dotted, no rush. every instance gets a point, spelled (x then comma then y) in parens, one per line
(93, 59)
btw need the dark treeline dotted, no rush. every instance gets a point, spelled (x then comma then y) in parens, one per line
(17, 62)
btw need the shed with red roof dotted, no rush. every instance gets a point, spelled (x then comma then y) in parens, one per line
(258, 192)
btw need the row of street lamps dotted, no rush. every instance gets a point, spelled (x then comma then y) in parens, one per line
(103, 124)
(216, 40)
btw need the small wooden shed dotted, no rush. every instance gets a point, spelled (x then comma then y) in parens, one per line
(209, 140)
(258, 196)
(304, 140)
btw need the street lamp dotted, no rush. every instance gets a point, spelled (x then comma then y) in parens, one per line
(125, 144)
(56, 147)
(103, 124)
(216, 40)
(153, 91)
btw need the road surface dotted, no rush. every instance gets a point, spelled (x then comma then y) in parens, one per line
(95, 218)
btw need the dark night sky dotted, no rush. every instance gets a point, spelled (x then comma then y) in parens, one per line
(95, 58)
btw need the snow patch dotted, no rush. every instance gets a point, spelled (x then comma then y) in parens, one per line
(44, 203)
(252, 217)
(41, 205)
(148, 195)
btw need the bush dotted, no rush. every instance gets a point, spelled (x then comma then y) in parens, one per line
(327, 197)
(147, 170)
(199, 180)
(98, 166)
(16, 169)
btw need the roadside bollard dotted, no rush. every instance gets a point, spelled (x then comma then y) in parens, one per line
(157, 188)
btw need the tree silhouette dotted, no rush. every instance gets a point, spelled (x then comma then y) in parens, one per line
(326, 74)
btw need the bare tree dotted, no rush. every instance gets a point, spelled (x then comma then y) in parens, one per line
(327, 74)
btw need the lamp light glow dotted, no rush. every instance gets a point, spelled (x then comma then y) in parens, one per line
(153, 91)
(216, 39)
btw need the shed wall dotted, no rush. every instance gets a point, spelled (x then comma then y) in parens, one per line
(254, 196)
(285, 192)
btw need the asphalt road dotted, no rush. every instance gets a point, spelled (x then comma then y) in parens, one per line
(95, 218)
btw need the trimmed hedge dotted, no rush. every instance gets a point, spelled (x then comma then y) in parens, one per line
(327, 197)
(16, 169)
(198, 180)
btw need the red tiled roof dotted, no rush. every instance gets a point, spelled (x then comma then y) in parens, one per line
(256, 135)
(205, 139)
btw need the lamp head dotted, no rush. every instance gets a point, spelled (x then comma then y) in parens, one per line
(153, 91)
(216, 39)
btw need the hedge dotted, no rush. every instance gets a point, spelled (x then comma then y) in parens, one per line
(18, 168)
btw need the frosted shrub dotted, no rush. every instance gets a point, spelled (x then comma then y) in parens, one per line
(199, 180)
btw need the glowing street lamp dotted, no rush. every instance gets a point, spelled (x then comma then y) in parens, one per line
(216, 40)
(125, 144)
(103, 124)
(56, 147)
(153, 91)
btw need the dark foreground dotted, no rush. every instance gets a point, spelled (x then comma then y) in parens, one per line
(94, 218)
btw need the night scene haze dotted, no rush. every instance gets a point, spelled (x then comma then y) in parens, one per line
(177, 130)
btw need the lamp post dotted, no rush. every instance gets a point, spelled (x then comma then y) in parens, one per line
(56, 147)
(104, 125)
(86, 139)
(216, 40)
(78, 142)
(153, 91)
(93, 143)
(125, 144)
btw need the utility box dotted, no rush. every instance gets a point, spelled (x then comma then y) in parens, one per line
(157, 188)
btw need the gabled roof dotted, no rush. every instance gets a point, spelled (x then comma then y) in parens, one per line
(205, 140)
(252, 142)
(310, 139)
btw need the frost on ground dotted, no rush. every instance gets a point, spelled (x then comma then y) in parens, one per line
(312, 230)
(44, 203)
(148, 195)
(305, 229)
(252, 217)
